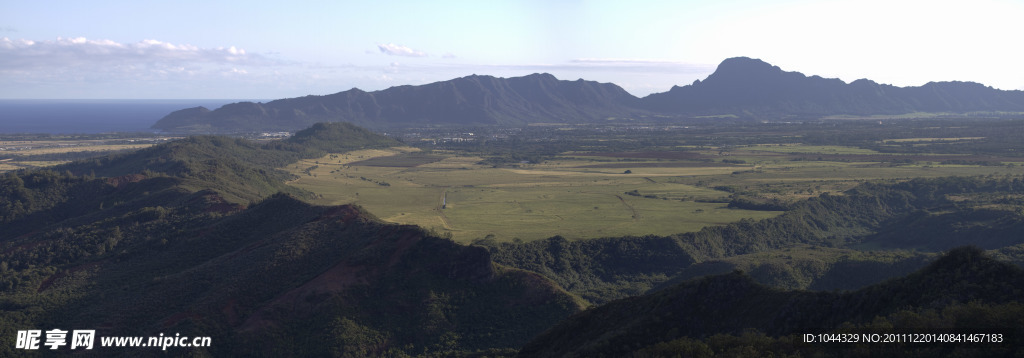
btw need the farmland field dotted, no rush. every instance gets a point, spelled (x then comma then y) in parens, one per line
(562, 197)
(602, 194)
(37, 153)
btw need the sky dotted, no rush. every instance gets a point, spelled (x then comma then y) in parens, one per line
(258, 49)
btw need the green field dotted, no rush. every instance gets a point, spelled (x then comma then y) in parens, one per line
(532, 202)
(589, 195)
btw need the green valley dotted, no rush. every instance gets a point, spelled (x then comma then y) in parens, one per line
(579, 190)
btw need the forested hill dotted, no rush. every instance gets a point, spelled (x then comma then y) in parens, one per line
(731, 314)
(929, 215)
(188, 237)
(741, 87)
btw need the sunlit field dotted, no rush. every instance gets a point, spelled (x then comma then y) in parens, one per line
(592, 195)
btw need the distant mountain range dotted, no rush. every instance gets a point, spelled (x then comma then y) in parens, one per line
(741, 87)
(750, 87)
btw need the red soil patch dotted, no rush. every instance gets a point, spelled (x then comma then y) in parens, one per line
(345, 213)
(125, 179)
(659, 165)
(214, 203)
(649, 155)
(64, 273)
(304, 300)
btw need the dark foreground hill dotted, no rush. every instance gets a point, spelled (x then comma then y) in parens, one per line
(740, 87)
(184, 238)
(731, 313)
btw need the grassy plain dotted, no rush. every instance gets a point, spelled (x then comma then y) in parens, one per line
(36, 153)
(590, 195)
(560, 197)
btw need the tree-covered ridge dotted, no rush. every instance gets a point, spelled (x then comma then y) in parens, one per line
(183, 237)
(808, 267)
(691, 315)
(323, 138)
(239, 169)
(604, 269)
(268, 278)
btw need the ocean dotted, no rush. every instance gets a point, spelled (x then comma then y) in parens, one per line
(68, 116)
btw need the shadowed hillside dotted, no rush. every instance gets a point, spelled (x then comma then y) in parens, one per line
(186, 239)
(696, 313)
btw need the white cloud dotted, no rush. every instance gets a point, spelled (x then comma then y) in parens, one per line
(79, 67)
(396, 50)
(66, 53)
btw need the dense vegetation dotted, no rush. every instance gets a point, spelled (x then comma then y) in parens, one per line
(195, 237)
(869, 215)
(965, 291)
(144, 252)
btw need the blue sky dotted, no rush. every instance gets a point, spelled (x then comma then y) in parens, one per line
(267, 50)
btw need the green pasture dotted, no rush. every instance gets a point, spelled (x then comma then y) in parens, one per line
(808, 149)
(530, 202)
(579, 196)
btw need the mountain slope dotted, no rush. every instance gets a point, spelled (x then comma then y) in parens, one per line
(279, 273)
(734, 303)
(471, 100)
(749, 86)
(929, 214)
(184, 239)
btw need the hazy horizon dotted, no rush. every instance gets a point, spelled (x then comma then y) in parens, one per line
(91, 116)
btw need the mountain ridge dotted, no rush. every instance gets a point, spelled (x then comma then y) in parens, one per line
(740, 86)
(478, 100)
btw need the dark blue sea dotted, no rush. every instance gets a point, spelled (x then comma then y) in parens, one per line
(66, 116)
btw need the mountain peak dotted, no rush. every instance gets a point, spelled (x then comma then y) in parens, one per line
(740, 70)
(747, 63)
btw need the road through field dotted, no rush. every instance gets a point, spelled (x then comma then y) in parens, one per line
(636, 214)
(441, 207)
